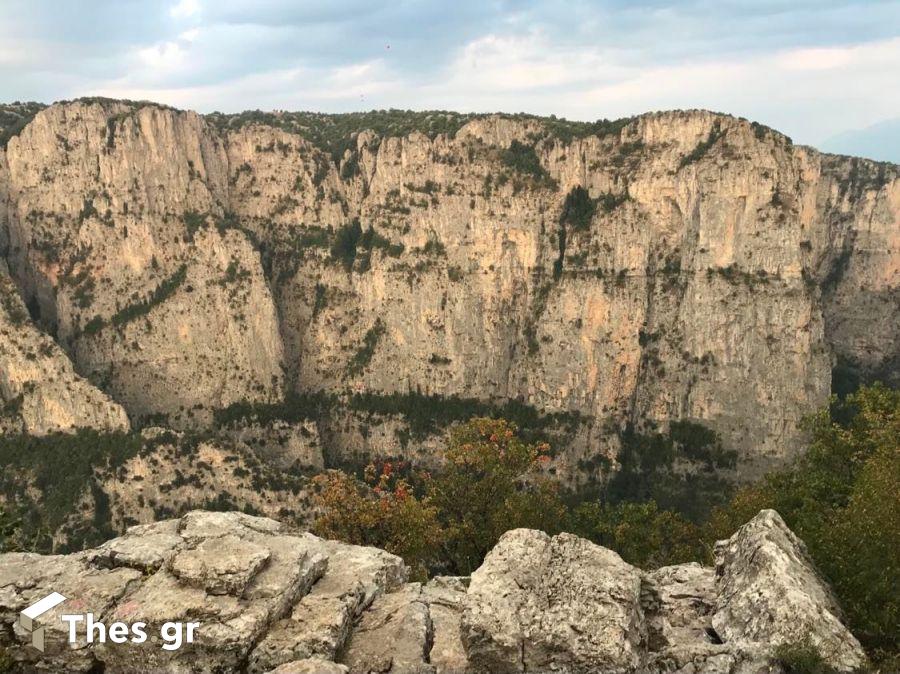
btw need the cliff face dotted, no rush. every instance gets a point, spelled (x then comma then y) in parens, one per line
(39, 391)
(681, 265)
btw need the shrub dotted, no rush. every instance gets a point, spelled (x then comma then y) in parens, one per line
(163, 291)
(491, 483)
(364, 354)
(578, 209)
(346, 239)
(715, 133)
(523, 159)
(641, 533)
(802, 658)
(382, 511)
(10, 532)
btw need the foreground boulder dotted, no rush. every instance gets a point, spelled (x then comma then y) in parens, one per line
(768, 591)
(540, 603)
(269, 599)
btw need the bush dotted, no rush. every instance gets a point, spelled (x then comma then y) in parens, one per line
(490, 484)
(345, 242)
(641, 533)
(10, 532)
(578, 209)
(382, 511)
(523, 159)
(802, 658)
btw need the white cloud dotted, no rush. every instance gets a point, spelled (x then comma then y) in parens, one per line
(782, 64)
(185, 9)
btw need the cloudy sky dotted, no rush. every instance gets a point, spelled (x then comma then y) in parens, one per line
(825, 72)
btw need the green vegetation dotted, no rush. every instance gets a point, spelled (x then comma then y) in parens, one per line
(491, 482)
(10, 533)
(345, 241)
(608, 202)
(578, 209)
(735, 275)
(366, 351)
(334, 134)
(640, 532)
(680, 470)
(715, 134)
(430, 414)
(10, 302)
(60, 466)
(296, 407)
(163, 291)
(523, 159)
(352, 245)
(843, 499)
(802, 658)
(193, 222)
(14, 117)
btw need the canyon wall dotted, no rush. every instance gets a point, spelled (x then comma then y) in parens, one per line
(675, 266)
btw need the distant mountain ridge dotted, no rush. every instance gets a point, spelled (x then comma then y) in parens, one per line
(609, 278)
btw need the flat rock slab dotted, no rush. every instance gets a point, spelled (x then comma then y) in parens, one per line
(234, 574)
(268, 599)
(320, 623)
(393, 637)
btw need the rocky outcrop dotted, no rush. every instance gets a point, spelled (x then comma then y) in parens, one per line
(540, 603)
(681, 265)
(270, 599)
(769, 592)
(40, 392)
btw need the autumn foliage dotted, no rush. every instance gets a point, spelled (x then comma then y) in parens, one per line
(491, 482)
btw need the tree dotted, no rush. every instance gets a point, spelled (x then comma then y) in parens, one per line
(10, 531)
(382, 511)
(641, 533)
(843, 499)
(492, 483)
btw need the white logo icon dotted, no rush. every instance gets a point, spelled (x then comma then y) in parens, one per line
(28, 617)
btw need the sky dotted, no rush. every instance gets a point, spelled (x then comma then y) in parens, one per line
(824, 72)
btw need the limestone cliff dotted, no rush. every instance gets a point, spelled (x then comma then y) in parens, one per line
(681, 265)
(39, 391)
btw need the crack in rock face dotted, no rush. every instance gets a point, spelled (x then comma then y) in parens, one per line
(271, 599)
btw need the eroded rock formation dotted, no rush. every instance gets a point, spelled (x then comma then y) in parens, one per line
(272, 599)
(40, 392)
(681, 265)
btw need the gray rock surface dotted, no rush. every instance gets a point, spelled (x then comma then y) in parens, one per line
(768, 591)
(540, 603)
(269, 599)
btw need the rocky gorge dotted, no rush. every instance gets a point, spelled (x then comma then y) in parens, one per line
(232, 303)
